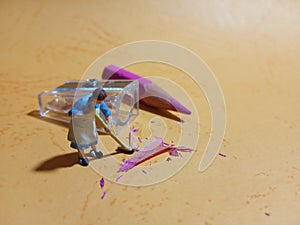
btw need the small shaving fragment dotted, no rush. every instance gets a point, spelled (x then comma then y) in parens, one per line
(139, 139)
(173, 152)
(223, 155)
(119, 178)
(169, 159)
(134, 130)
(103, 195)
(102, 182)
(144, 171)
(131, 136)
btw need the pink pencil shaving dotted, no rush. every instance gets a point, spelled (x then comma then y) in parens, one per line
(143, 154)
(155, 147)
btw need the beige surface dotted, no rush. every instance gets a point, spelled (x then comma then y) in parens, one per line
(253, 48)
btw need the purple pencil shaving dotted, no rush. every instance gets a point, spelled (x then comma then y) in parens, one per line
(103, 195)
(102, 182)
(140, 140)
(223, 155)
(119, 178)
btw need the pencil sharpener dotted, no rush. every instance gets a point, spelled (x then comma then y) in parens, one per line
(122, 100)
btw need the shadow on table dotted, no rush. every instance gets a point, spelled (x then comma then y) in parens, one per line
(60, 161)
(160, 112)
(65, 160)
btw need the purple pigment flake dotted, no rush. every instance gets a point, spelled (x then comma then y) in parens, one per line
(102, 182)
(174, 152)
(144, 171)
(131, 136)
(119, 178)
(223, 155)
(140, 140)
(267, 214)
(169, 159)
(134, 130)
(103, 195)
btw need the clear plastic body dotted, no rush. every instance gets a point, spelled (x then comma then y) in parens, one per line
(122, 100)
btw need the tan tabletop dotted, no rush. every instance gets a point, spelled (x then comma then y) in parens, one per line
(251, 46)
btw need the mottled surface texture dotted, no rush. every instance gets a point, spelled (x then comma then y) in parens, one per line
(253, 48)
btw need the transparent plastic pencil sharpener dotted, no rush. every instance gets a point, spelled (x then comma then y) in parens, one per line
(122, 100)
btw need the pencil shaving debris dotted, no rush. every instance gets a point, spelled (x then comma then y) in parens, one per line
(102, 182)
(140, 140)
(134, 130)
(119, 178)
(103, 195)
(223, 155)
(155, 147)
